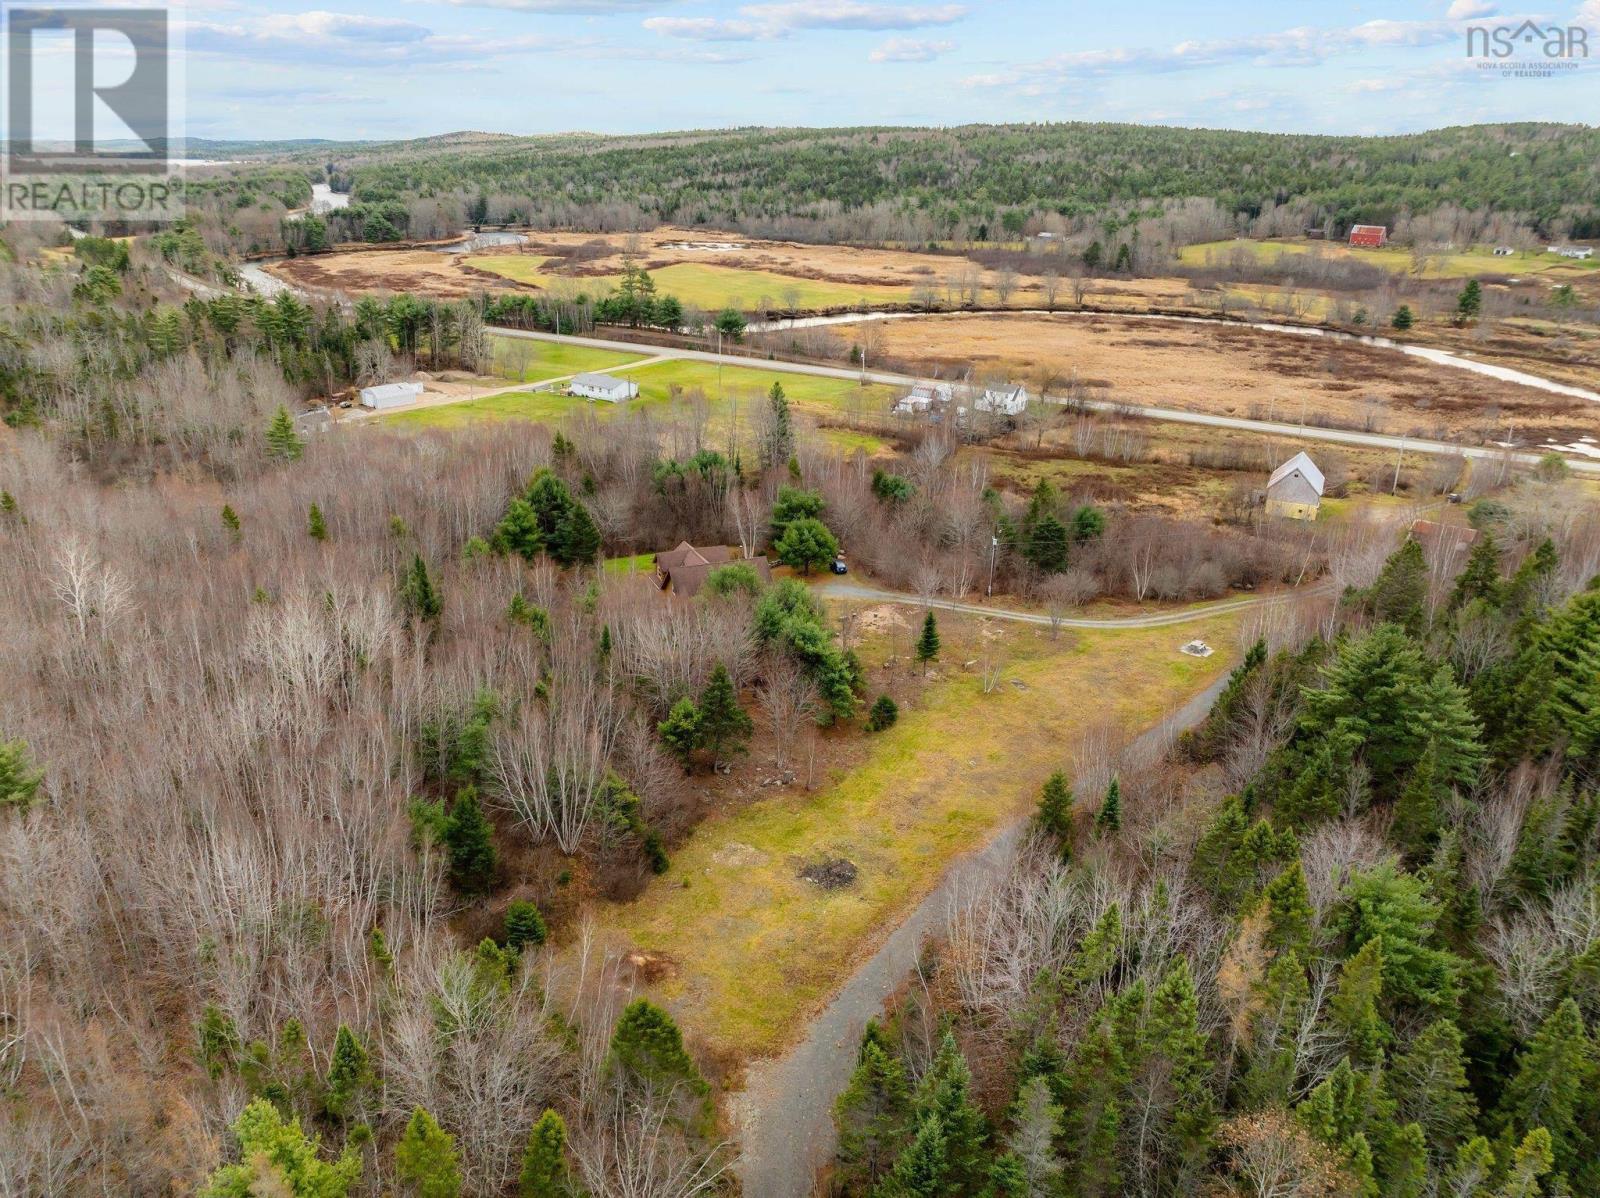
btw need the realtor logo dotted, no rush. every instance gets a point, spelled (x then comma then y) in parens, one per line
(89, 115)
(1529, 50)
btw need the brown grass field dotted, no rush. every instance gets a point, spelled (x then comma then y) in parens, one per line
(1235, 371)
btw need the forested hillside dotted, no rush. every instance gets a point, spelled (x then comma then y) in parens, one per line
(988, 181)
(1345, 941)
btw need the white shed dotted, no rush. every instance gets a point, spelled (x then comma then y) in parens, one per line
(390, 395)
(1295, 489)
(1010, 400)
(603, 386)
(923, 396)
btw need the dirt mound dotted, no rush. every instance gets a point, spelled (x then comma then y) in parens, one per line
(833, 874)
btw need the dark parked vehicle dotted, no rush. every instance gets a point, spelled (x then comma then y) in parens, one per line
(837, 566)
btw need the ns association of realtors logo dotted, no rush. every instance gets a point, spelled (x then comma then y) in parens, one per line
(1529, 50)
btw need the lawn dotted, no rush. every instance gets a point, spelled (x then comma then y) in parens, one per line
(1480, 260)
(528, 360)
(752, 949)
(512, 405)
(709, 287)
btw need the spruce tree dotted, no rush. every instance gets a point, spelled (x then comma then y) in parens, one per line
(1055, 807)
(944, 1099)
(1480, 577)
(1429, 1084)
(518, 531)
(1470, 302)
(1289, 912)
(1403, 318)
(883, 715)
(680, 731)
(1530, 1161)
(725, 728)
(648, 1047)
(1416, 811)
(1353, 1010)
(1405, 1163)
(872, 1116)
(282, 440)
(19, 780)
(469, 839)
(544, 1161)
(1109, 818)
(1552, 1085)
(1036, 1120)
(1098, 951)
(1175, 1047)
(1400, 593)
(777, 444)
(420, 596)
(230, 521)
(928, 641)
(316, 526)
(277, 1157)
(1048, 545)
(524, 925)
(921, 1170)
(577, 538)
(349, 1074)
(425, 1159)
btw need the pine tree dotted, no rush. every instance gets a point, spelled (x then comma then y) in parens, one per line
(1429, 1084)
(725, 727)
(1055, 807)
(230, 521)
(518, 531)
(1099, 950)
(1470, 302)
(777, 444)
(872, 1115)
(282, 440)
(1530, 1161)
(421, 598)
(928, 641)
(316, 526)
(1405, 1164)
(544, 1161)
(883, 715)
(944, 1098)
(680, 731)
(1381, 901)
(921, 1170)
(1480, 577)
(1109, 818)
(425, 1159)
(469, 839)
(1353, 1010)
(1175, 1048)
(1400, 593)
(277, 1157)
(19, 780)
(1048, 545)
(648, 1047)
(1416, 811)
(524, 925)
(1403, 318)
(1555, 1073)
(1289, 911)
(349, 1074)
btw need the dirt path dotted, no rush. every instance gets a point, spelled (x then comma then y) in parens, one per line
(785, 1112)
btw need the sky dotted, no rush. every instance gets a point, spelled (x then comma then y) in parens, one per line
(410, 68)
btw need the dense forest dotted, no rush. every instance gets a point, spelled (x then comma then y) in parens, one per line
(1341, 940)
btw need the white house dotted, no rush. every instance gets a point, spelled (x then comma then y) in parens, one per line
(390, 395)
(1009, 400)
(1295, 489)
(1503, 251)
(923, 396)
(1581, 252)
(603, 386)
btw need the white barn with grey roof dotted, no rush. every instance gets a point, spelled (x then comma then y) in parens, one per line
(1295, 489)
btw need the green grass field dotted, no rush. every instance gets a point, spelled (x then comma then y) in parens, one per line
(709, 287)
(526, 360)
(1480, 260)
(753, 948)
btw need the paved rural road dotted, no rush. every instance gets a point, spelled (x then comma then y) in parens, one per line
(786, 1110)
(834, 588)
(1173, 415)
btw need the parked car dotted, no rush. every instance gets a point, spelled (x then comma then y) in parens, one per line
(837, 566)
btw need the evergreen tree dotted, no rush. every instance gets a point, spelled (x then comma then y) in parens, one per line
(576, 540)
(1031, 1143)
(1090, 1095)
(872, 1115)
(1416, 811)
(1099, 949)
(928, 641)
(349, 1075)
(1088, 523)
(1055, 807)
(1175, 1049)
(1470, 302)
(1530, 1160)
(19, 780)
(544, 1161)
(943, 1099)
(524, 925)
(1381, 902)
(883, 715)
(647, 1047)
(316, 526)
(777, 442)
(282, 440)
(1048, 545)
(1109, 818)
(419, 595)
(921, 1170)
(425, 1159)
(1405, 1164)
(794, 504)
(518, 531)
(1280, 999)
(1289, 912)
(1403, 318)
(1480, 577)
(1429, 1084)
(725, 728)
(230, 521)
(806, 545)
(1399, 594)
(1469, 1175)
(469, 839)
(680, 731)
(1353, 1010)
(1552, 1086)
(219, 1041)
(277, 1157)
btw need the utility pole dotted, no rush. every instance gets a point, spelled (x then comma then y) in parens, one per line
(994, 548)
(1398, 458)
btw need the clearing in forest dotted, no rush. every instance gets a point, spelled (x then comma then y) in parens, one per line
(745, 947)
(1399, 259)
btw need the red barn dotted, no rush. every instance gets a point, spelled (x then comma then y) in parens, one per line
(1372, 236)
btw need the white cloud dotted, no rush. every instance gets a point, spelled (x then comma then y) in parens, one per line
(757, 22)
(1588, 14)
(348, 39)
(1466, 10)
(908, 49)
(577, 8)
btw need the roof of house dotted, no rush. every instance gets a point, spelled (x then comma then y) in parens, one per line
(687, 566)
(1008, 391)
(1369, 228)
(1431, 532)
(1305, 466)
(604, 382)
(389, 390)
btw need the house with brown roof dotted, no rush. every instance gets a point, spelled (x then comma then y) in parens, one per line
(684, 569)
